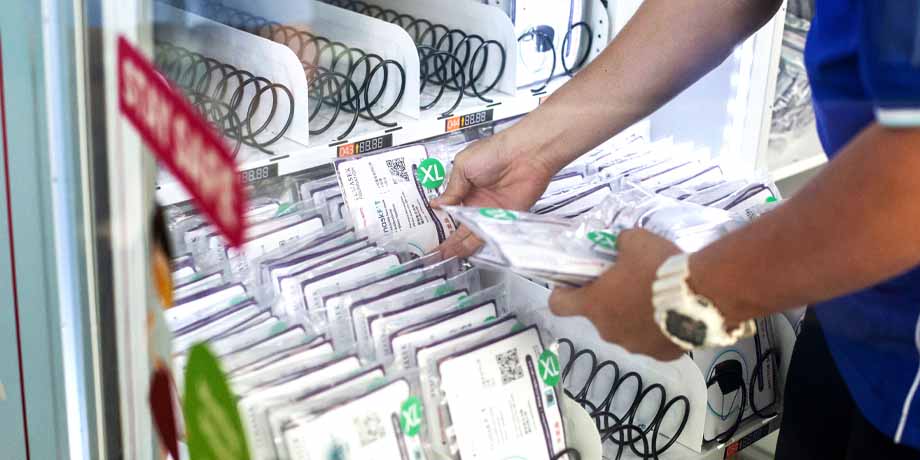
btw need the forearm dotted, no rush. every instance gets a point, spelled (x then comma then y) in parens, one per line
(855, 225)
(667, 46)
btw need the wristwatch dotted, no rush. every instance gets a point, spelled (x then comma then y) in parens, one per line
(690, 320)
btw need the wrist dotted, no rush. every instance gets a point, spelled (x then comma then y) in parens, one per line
(523, 148)
(709, 279)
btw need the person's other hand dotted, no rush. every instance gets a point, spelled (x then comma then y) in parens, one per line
(619, 303)
(491, 174)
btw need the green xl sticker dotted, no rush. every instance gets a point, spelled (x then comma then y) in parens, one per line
(771, 199)
(498, 214)
(603, 239)
(443, 289)
(431, 173)
(548, 367)
(410, 416)
(213, 426)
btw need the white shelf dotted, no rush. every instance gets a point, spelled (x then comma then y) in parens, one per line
(324, 148)
(803, 153)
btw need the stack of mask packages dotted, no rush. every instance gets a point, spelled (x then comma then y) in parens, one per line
(674, 190)
(345, 335)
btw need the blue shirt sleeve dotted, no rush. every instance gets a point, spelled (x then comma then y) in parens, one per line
(890, 60)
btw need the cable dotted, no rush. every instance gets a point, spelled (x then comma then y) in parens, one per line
(622, 430)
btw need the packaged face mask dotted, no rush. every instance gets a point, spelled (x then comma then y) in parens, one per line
(753, 195)
(183, 272)
(208, 328)
(281, 415)
(275, 270)
(541, 247)
(254, 406)
(403, 336)
(369, 317)
(344, 271)
(279, 339)
(384, 422)
(337, 303)
(387, 195)
(203, 304)
(197, 282)
(380, 282)
(569, 177)
(697, 178)
(324, 192)
(500, 398)
(290, 222)
(271, 237)
(291, 361)
(635, 157)
(297, 289)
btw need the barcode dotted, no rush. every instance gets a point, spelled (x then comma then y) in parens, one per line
(370, 429)
(398, 171)
(509, 365)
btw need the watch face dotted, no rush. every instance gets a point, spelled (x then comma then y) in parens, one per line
(686, 328)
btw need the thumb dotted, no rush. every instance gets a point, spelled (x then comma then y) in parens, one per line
(566, 301)
(458, 186)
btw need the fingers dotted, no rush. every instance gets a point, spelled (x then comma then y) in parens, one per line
(463, 243)
(458, 186)
(567, 301)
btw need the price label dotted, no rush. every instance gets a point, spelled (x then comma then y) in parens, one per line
(366, 146)
(257, 174)
(465, 121)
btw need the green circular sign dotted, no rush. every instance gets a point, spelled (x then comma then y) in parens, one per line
(548, 367)
(410, 416)
(771, 199)
(431, 173)
(490, 318)
(603, 239)
(498, 214)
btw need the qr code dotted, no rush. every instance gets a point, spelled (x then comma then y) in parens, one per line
(398, 171)
(369, 428)
(510, 366)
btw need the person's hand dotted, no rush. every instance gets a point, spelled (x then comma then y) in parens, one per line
(619, 303)
(491, 174)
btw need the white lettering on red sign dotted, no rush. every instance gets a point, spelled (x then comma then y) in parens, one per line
(183, 142)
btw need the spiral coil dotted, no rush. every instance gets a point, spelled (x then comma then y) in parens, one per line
(340, 78)
(621, 430)
(228, 97)
(449, 59)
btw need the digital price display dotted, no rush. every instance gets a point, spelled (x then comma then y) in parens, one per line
(465, 121)
(261, 173)
(366, 146)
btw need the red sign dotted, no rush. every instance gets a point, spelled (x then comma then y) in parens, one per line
(182, 141)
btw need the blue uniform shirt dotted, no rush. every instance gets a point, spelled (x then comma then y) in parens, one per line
(863, 59)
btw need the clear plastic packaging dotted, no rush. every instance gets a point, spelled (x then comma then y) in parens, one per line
(292, 360)
(208, 328)
(197, 282)
(387, 196)
(337, 301)
(281, 415)
(300, 221)
(369, 317)
(385, 421)
(299, 298)
(402, 335)
(325, 193)
(254, 406)
(498, 398)
(203, 304)
(543, 247)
